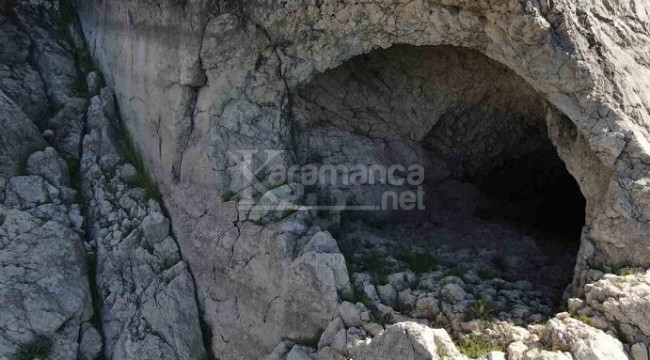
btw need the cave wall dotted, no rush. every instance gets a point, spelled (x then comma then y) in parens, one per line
(195, 79)
(455, 103)
(451, 110)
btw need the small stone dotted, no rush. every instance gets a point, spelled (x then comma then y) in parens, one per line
(426, 308)
(575, 304)
(639, 351)
(354, 337)
(495, 355)
(48, 135)
(373, 329)
(90, 345)
(300, 352)
(401, 281)
(155, 228)
(535, 318)
(370, 292)
(327, 337)
(406, 300)
(516, 350)
(350, 314)
(94, 83)
(453, 293)
(388, 295)
(127, 173)
(322, 242)
(340, 341)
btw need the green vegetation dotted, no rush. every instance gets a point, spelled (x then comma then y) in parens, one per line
(131, 155)
(553, 348)
(67, 14)
(37, 349)
(583, 317)
(418, 262)
(628, 270)
(88, 64)
(482, 309)
(475, 348)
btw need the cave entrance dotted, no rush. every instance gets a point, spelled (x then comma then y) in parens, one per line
(502, 216)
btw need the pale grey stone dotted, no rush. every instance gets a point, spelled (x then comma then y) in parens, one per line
(623, 299)
(332, 329)
(387, 294)
(49, 165)
(94, 83)
(516, 350)
(453, 293)
(44, 282)
(299, 352)
(68, 126)
(585, 58)
(147, 292)
(581, 340)
(20, 138)
(639, 351)
(409, 341)
(353, 315)
(90, 344)
(28, 192)
(495, 355)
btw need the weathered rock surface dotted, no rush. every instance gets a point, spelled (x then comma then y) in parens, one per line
(20, 139)
(410, 341)
(44, 284)
(18, 79)
(45, 287)
(49, 165)
(585, 58)
(53, 56)
(581, 340)
(45, 300)
(147, 294)
(625, 303)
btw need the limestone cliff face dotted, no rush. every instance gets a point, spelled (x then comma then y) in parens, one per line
(196, 79)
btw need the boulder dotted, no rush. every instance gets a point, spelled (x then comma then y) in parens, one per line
(49, 165)
(581, 340)
(45, 290)
(624, 300)
(18, 140)
(410, 341)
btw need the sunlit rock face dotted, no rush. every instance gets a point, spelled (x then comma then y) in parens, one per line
(198, 79)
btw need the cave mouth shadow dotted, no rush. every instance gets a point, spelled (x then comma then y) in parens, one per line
(536, 193)
(495, 185)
